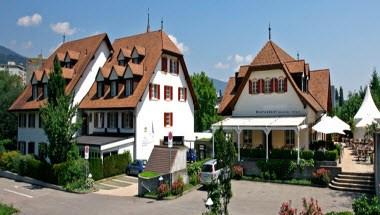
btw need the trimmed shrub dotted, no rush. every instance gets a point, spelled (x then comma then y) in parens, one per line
(322, 144)
(6, 144)
(193, 171)
(8, 160)
(366, 206)
(326, 156)
(96, 168)
(253, 153)
(70, 173)
(283, 154)
(321, 177)
(116, 164)
(275, 169)
(307, 154)
(339, 213)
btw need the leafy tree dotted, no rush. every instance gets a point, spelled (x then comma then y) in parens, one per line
(341, 97)
(206, 95)
(10, 87)
(349, 108)
(57, 117)
(225, 154)
(375, 88)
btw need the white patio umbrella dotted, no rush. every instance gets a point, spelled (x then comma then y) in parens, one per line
(341, 124)
(328, 126)
(365, 122)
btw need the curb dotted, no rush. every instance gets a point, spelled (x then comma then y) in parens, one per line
(173, 197)
(14, 176)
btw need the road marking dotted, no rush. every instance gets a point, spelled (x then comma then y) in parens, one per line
(109, 185)
(18, 193)
(121, 181)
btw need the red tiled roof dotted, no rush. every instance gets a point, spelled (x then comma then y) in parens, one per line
(73, 54)
(159, 159)
(270, 56)
(137, 69)
(126, 52)
(86, 46)
(67, 73)
(297, 66)
(319, 87)
(154, 43)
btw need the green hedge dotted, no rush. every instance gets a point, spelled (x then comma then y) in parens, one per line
(275, 169)
(326, 156)
(252, 153)
(193, 171)
(116, 164)
(307, 154)
(96, 168)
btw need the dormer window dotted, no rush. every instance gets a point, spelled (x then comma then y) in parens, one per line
(100, 89)
(45, 90)
(122, 62)
(174, 66)
(136, 60)
(128, 87)
(113, 88)
(34, 91)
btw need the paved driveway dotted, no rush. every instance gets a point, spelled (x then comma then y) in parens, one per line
(249, 198)
(121, 185)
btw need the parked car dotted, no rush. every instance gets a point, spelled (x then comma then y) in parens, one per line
(211, 171)
(191, 156)
(136, 167)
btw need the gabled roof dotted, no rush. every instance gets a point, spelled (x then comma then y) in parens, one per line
(126, 52)
(297, 66)
(319, 87)
(137, 69)
(140, 50)
(119, 70)
(87, 48)
(270, 56)
(67, 73)
(155, 44)
(74, 55)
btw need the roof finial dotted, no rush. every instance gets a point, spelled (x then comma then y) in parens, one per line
(298, 55)
(162, 23)
(148, 26)
(269, 31)
(64, 38)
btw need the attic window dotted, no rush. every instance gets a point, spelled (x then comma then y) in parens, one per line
(137, 60)
(113, 88)
(34, 91)
(128, 87)
(100, 89)
(122, 62)
(45, 90)
(174, 66)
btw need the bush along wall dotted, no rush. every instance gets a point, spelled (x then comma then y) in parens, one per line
(116, 164)
(96, 168)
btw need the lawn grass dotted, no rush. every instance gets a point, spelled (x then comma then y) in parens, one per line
(7, 210)
(149, 174)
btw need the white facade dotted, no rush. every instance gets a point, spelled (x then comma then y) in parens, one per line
(37, 135)
(150, 128)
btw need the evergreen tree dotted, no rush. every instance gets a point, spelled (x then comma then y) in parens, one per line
(375, 88)
(57, 117)
(206, 96)
(341, 97)
(336, 97)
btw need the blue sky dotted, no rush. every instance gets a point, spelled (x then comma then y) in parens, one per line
(217, 36)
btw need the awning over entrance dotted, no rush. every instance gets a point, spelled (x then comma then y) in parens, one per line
(97, 140)
(261, 122)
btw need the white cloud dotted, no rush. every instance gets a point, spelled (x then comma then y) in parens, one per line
(32, 20)
(63, 28)
(221, 65)
(181, 46)
(234, 61)
(27, 45)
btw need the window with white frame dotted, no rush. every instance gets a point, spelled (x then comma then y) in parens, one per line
(173, 66)
(128, 87)
(22, 120)
(247, 136)
(45, 90)
(255, 87)
(154, 91)
(114, 88)
(168, 92)
(31, 120)
(182, 94)
(127, 119)
(98, 120)
(281, 85)
(289, 137)
(112, 118)
(267, 85)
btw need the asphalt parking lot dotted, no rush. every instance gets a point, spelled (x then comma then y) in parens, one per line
(248, 198)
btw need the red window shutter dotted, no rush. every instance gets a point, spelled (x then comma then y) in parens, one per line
(177, 69)
(276, 85)
(171, 119)
(158, 91)
(250, 87)
(171, 93)
(258, 86)
(285, 85)
(164, 119)
(166, 88)
(185, 94)
(150, 92)
(164, 64)
(179, 93)
(261, 81)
